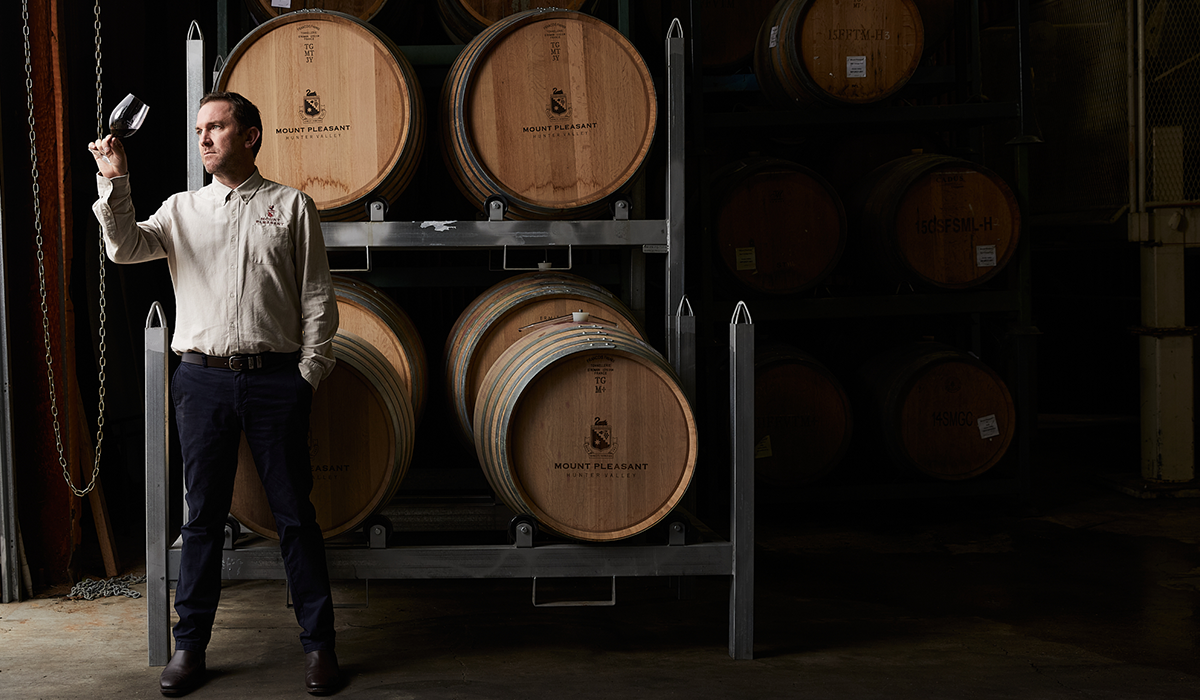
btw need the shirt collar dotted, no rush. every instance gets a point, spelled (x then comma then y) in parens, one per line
(246, 190)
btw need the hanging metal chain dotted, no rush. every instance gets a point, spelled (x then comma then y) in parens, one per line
(100, 260)
(40, 240)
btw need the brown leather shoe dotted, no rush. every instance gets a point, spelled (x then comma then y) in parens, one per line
(183, 673)
(321, 675)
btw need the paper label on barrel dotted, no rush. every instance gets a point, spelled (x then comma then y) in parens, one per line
(746, 259)
(856, 66)
(774, 37)
(985, 256)
(763, 449)
(286, 4)
(988, 427)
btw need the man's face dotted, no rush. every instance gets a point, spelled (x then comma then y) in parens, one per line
(223, 143)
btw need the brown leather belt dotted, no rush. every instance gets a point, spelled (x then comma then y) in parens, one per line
(239, 363)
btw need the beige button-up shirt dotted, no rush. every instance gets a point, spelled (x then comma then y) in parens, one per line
(248, 266)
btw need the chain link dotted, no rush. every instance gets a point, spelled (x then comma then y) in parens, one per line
(101, 301)
(41, 265)
(89, 589)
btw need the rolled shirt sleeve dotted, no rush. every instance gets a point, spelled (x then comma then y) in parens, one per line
(125, 241)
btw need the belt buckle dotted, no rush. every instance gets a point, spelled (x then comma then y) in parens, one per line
(237, 363)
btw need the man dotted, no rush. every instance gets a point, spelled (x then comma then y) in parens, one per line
(256, 316)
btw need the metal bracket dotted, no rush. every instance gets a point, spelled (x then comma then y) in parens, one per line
(156, 318)
(677, 534)
(194, 90)
(621, 210)
(233, 531)
(577, 603)
(377, 534)
(522, 533)
(376, 210)
(497, 206)
(218, 66)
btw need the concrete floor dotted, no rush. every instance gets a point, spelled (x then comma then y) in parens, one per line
(1084, 593)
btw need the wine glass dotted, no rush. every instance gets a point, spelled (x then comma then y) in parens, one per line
(127, 117)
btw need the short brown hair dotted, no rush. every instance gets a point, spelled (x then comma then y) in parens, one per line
(244, 112)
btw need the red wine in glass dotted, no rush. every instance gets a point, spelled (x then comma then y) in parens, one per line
(127, 117)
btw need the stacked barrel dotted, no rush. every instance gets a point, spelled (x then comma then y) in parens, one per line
(575, 419)
(551, 109)
(866, 216)
(554, 112)
(364, 417)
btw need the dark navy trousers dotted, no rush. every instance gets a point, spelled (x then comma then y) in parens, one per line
(213, 407)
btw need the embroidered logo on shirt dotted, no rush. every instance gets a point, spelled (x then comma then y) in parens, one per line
(273, 218)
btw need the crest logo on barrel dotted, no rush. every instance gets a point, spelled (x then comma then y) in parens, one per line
(310, 109)
(560, 105)
(600, 439)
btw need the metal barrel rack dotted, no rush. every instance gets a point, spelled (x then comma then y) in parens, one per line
(372, 557)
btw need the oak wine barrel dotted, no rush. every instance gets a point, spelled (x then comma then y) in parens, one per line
(554, 110)
(361, 435)
(940, 411)
(265, 10)
(342, 110)
(372, 315)
(587, 430)
(505, 313)
(779, 226)
(803, 422)
(837, 52)
(463, 20)
(938, 220)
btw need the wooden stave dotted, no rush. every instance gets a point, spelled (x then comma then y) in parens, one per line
(783, 77)
(374, 301)
(250, 508)
(890, 377)
(389, 183)
(465, 373)
(663, 507)
(775, 473)
(262, 11)
(518, 368)
(472, 177)
(878, 196)
(463, 23)
(738, 173)
(466, 172)
(493, 306)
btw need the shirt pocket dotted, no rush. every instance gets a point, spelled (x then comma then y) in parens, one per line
(271, 245)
